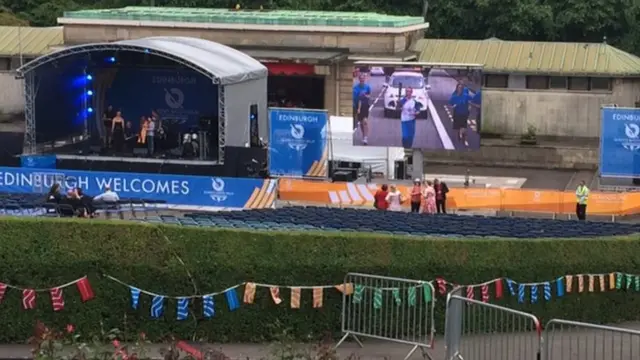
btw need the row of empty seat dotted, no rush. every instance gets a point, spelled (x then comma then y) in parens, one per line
(358, 220)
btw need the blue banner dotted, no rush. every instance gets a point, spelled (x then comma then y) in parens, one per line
(620, 142)
(38, 161)
(172, 189)
(298, 142)
(178, 96)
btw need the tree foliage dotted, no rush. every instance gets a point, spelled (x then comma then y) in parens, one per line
(617, 21)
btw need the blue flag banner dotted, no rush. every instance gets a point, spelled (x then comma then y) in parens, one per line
(560, 287)
(534, 294)
(182, 310)
(510, 286)
(208, 306)
(157, 305)
(135, 297)
(521, 293)
(298, 142)
(232, 299)
(620, 142)
(547, 291)
(38, 161)
(171, 189)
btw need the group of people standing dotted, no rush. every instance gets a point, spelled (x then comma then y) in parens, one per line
(118, 133)
(426, 197)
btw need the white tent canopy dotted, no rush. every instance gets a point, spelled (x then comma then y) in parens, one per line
(341, 148)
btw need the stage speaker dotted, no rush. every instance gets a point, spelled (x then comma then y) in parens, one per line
(341, 176)
(636, 181)
(254, 129)
(139, 151)
(400, 170)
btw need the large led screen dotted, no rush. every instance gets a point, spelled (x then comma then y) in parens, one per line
(417, 107)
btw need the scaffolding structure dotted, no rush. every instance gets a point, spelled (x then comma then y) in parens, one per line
(31, 85)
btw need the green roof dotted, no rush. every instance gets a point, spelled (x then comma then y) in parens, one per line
(532, 57)
(254, 17)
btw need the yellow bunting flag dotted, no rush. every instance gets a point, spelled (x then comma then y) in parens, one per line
(317, 297)
(569, 283)
(249, 293)
(295, 298)
(346, 289)
(275, 295)
(612, 281)
(592, 283)
(580, 283)
(603, 286)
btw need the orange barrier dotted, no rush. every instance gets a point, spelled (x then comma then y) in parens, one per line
(548, 201)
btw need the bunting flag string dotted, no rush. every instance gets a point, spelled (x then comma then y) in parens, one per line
(533, 292)
(29, 295)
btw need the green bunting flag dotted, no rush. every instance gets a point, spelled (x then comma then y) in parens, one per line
(618, 281)
(357, 294)
(637, 283)
(628, 280)
(396, 297)
(412, 296)
(428, 295)
(377, 298)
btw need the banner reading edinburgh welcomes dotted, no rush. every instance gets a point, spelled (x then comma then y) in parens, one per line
(298, 142)
(620, 142)
(172, 189)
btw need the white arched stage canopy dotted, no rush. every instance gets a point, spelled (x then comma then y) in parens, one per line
(241, 80)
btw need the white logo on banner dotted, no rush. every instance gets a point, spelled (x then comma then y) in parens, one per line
(632, 131)
(217, 192)
(297, 141)
(174, 98)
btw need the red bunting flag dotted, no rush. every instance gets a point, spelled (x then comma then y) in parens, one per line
(442, 286)
(57, 300)
(3, 290)
(499, 289)
(28, 299)
(86, 292)
(485, 293)
(470, 294)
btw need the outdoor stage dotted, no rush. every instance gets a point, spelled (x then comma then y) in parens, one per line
(208, 103)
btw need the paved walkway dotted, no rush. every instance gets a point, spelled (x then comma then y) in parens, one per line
(564, 343)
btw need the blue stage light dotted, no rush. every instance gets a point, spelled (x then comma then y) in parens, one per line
(90, 110)
(111, 59)
(89, 77)
(89, 93)
(146, 51)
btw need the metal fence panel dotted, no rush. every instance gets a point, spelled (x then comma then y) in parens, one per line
(475, 330)
(387, 308)
(570, 340)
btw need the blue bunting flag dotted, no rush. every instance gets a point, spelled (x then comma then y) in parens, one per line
(534, 294)
(547, 291)
(157, 306)
(510, 284)
(135, 297)
(521, 291)
(560, 287)
(208, 306)
(232, 299)
(183, 309)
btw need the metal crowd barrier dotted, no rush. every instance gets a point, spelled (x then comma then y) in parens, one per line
(475, 330)
(570, 340)
(392, 309)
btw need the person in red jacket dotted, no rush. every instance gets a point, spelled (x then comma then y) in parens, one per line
(380, 198)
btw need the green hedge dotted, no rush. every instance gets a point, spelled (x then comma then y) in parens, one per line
(42, 253)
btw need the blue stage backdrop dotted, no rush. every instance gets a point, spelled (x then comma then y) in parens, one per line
(620, 142)
(298, 142)
(173, 189)
(182, 96)
(38, 161)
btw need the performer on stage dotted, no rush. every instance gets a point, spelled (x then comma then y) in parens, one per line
(117, 132)
(409, 110)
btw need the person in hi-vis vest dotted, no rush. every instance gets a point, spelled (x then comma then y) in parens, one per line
(582, 195)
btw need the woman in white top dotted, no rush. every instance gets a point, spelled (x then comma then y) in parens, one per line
(394, 198)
